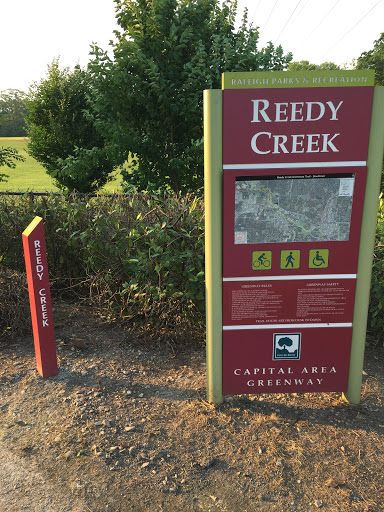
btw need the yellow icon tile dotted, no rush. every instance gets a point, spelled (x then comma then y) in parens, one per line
(290, 259)
(261, 260)
(318, 258)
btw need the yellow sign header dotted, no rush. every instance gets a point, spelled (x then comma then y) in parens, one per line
(296, 79)
(28, 230)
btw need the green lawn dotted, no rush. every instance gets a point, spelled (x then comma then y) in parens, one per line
(30, 175)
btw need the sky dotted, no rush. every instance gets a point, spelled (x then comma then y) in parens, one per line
(34, 33)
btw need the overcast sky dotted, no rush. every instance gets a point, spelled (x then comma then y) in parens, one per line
(34, 33)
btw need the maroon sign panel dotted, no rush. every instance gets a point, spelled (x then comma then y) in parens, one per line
(294, 184)
(257, 303)
(286, 360)
(296, 125)
(303, 210)
(40, 298)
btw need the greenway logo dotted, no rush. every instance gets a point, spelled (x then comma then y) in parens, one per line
(286, 346)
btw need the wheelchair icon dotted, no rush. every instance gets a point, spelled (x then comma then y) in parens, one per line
(318, 260)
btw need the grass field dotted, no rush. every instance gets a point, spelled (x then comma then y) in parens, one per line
(30, 175)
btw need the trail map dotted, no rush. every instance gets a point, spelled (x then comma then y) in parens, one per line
(305, 208)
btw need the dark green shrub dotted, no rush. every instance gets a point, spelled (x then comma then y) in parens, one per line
(376, 306)
(137, 257)
(14, 302)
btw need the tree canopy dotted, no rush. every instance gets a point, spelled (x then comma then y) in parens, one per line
(285, 342)
(147, 99)
(374, 59)
(305, 65)
(13, 111)
(63, 136)
(8, 158)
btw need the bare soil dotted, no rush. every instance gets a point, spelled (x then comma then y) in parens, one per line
(125, 427)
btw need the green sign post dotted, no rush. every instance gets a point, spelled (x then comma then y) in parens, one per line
(367, 241)
(213, 182)
(269, 151)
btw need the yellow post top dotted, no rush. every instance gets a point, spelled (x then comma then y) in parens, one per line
(28, 230)
(297, 79)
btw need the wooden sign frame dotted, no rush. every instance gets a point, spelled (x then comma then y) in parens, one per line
(213, 161)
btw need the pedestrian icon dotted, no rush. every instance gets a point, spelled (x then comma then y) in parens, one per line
(318, 258)
(290, 259)
(261, 260)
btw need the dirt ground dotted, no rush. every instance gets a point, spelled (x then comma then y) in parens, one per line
(125, 427)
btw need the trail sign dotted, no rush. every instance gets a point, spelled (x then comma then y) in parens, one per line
(291, 197)
(40, 298)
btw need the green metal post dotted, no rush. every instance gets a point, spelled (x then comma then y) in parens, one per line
(213, 194)
(367, 240)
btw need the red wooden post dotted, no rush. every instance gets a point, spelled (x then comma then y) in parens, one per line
(40, 298)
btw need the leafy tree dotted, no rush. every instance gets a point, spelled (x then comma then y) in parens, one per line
(148, 98)
(8, 156)
(305, 65)
(64, 138)
(13, 111)
(285, 342)
(374, 59)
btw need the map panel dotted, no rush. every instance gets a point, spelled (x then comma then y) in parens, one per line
(293, 208)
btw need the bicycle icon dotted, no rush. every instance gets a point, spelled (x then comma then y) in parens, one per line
(260, 262)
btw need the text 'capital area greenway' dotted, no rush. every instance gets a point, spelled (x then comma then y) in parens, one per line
(260, 377)
(265, 142)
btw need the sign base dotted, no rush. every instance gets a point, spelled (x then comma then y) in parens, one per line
(286, 360)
